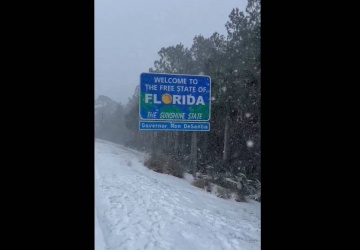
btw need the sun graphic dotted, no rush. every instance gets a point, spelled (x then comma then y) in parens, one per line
(166, 98)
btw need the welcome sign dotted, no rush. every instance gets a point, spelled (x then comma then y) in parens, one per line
(174, 97)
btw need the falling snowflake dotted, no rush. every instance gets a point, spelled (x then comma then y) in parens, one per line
(201, 73)
(223, 89)
(249, 143)
(213, 98)
(247, 115)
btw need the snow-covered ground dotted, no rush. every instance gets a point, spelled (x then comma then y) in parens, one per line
(137, 208)
(99, 238)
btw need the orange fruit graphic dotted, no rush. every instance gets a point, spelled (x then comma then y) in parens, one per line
(166, 98)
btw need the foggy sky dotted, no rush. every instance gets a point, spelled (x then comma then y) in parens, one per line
(130, 33)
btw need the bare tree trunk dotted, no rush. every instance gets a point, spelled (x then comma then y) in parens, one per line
(193, 153)
(149, 140)
(226, 153)
(204, 151)
(182, 143)
(176, 147)
(205, 142)
(168, 145)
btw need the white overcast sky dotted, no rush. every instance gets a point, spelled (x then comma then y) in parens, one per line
(130, 33)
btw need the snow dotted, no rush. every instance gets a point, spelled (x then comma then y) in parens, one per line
(230, 180)
(250, 143)
(137, 208)
(99, 239)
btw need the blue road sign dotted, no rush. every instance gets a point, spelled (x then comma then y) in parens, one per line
(175, 126)
(174, 97)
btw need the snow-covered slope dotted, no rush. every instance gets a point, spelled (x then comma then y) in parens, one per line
(137, 208)
(99, 239)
